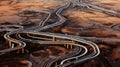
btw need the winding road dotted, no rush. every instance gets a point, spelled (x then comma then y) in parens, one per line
(17, 42)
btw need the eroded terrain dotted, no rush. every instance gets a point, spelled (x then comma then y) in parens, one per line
(98, 26)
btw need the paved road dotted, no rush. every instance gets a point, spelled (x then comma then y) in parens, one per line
(18, 42)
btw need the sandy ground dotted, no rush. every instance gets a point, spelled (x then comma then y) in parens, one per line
(9, 9)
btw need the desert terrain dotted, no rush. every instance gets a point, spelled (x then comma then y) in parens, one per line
(83, 21)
